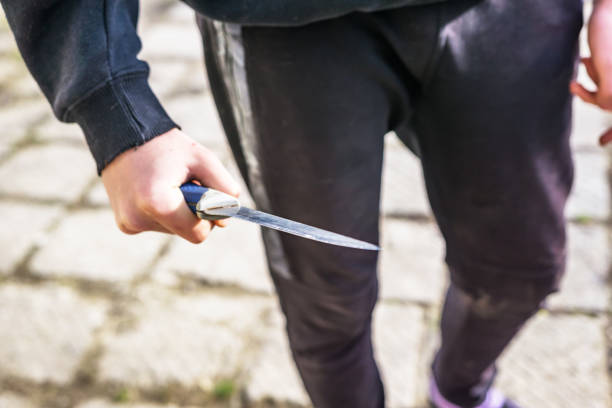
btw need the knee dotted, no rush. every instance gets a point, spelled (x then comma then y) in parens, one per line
(322, 326)
(514, 299)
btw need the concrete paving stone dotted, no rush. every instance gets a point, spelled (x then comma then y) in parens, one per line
(47, 172)
(171, 40)
(100, 403)
(585, 284)
(194, 82)
(590, 196)
(180, 13)
(411, 264)
(230, 256)
(398, 331)
(88, 245)
(10, 400)
(97, 195)
(26, 87)
(186, 339)
(165, 75)
(589, 123)
(17, 118)
(9, 67)
(197, 116)
(45, 331)
(403, 188)
(558, 362)
(52, 130)
(23, 226)
(273, 376)
(154, 11)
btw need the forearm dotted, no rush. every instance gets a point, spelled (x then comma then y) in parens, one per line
(83, 53)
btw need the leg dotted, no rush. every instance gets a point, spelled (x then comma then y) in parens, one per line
(493, 125)
(308, 136)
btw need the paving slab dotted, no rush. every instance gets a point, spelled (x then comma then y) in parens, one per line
(403, 188)
(589, 123)
(197, 116)
(52, 130)
(584, 286)
(171, 40)
(100, 403)
(17, 118)
(187, 339)
(9, 67)
(590, 196)
(411, 264)
(88, 245)
(26, 87)
(398, 332)
(10, 400)
(47, 172)
(230, 256)
(23, 226)
(165, 75)
(45, 331)
(273, 375)
(97, 195)
(558, 362)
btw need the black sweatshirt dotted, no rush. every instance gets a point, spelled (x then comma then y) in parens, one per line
(83, 54)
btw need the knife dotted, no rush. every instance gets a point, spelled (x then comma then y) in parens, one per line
(209, 204)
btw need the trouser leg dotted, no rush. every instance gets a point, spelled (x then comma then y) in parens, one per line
(310, 134)
(493, 126)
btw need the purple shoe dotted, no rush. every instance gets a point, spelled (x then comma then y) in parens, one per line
(494, 399)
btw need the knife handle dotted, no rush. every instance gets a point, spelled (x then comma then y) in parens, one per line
(192, 193)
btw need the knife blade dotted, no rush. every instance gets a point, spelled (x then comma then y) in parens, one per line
(210, 204)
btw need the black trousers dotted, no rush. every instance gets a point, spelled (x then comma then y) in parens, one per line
(479, 90)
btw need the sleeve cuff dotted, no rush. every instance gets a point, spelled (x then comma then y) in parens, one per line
(121, 114)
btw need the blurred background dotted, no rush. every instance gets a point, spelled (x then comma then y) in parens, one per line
(91, 318)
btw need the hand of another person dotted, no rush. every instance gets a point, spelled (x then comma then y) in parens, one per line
(599, 64)
(143, 185)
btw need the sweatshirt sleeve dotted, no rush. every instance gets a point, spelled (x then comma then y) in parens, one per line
(82, 54)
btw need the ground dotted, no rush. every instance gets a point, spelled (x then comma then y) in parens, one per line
(91, 318)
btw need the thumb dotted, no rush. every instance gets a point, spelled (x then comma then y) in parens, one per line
(209, 171)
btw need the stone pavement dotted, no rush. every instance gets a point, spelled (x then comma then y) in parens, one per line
(91, 318)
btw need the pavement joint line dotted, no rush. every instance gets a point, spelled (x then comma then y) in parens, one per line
(81, 201)
(192, 284)
(183, 90)
(578, 311)
(145, 275)
(30, 138)
(99, 290)
(53, 395)
(416, 217)
(423, 304)
(422, 218)
(27, 199)
(21, 269)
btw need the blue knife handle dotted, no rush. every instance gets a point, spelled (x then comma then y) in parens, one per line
(192, 193)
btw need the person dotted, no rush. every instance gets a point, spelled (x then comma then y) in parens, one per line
(478, 89)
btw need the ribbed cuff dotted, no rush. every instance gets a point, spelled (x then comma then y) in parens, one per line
(121, 114)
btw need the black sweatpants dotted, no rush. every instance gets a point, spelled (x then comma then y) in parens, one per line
(479, 89)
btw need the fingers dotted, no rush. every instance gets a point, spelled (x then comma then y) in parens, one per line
(606, 137)
(590, 69)
(168, 208)
(583, 93)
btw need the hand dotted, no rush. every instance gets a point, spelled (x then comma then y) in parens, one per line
(599, 65)
(143, 185)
